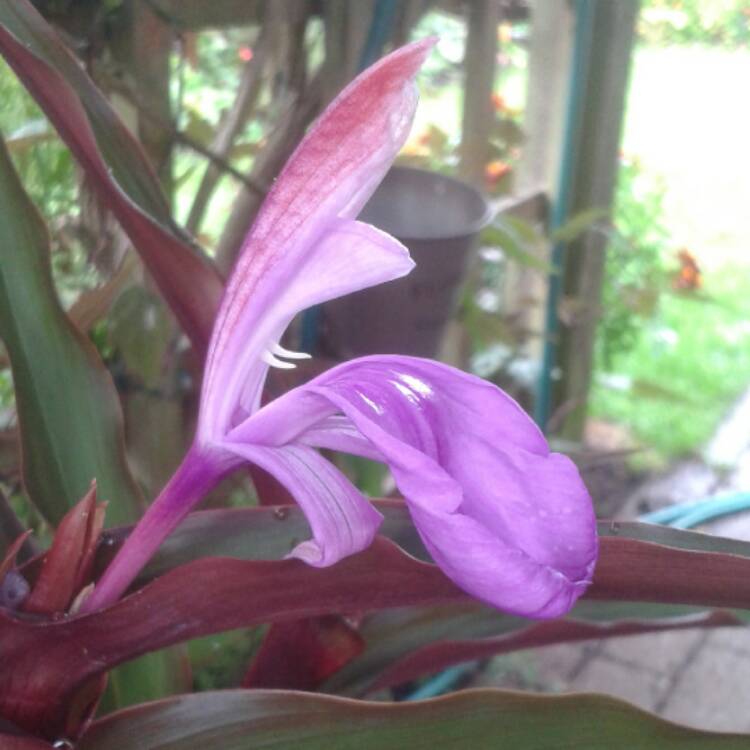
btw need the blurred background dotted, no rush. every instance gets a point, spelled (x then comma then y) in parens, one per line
(574, 190)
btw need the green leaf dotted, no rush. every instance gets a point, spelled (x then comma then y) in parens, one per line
(578, 223)
(259, 533)
(504, 235)
(147, 678)
(269, 533)
(676, 538)
(432, 657)
(476, 719)
(68, 412)
(10, 526)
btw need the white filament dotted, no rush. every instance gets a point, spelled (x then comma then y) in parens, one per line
(271, 356)
(272, 361)
(279, 351)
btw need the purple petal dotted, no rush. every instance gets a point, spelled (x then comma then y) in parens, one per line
(342, 521)
(507, 520)
(328, 179)
(338, 433)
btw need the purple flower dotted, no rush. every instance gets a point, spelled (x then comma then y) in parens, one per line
(508, 521)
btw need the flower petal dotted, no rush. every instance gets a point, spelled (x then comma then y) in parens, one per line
(507, 520)
(338, 433)
(329, 177)
(351, 255)
(342, 521)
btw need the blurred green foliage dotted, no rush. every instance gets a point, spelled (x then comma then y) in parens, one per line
(49, 176)
(698, 352)
(719, 22)
(204, 80)
(220, 661)
(634, 274)
(44, 163)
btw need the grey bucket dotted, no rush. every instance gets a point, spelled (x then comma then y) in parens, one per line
(439, 219)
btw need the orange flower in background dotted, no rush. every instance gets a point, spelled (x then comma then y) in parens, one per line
(495, 171)
(689, 277)
(417, 146)
(498, 103)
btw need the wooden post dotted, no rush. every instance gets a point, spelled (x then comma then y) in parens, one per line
(479, 67)
(544, 113)
(142, 46)
(193, 15)
(594, 185)
(547, 89)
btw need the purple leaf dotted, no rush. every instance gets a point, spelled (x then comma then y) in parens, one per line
(66, 566)
(437, 656)
(45, 663)
(301, 655)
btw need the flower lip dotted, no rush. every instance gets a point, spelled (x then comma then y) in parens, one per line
(509, 521)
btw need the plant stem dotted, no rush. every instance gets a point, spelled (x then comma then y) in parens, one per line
(198, 473)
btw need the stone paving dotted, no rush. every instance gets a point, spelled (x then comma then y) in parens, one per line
(699, 678)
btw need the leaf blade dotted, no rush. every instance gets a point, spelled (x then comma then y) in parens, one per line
(62, 388)
(237, 720)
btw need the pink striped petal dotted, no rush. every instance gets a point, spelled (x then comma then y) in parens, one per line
(328, 179)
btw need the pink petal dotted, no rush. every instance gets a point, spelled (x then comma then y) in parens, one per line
(328, 178)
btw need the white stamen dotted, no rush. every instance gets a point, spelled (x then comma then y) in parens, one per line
(279, 351)
(269, 359)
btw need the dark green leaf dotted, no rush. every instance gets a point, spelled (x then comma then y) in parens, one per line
(147, 678)
(676, 538)
(69, 415)
(393, 634)
(476, 719)
(269, 533)
(10, 526)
